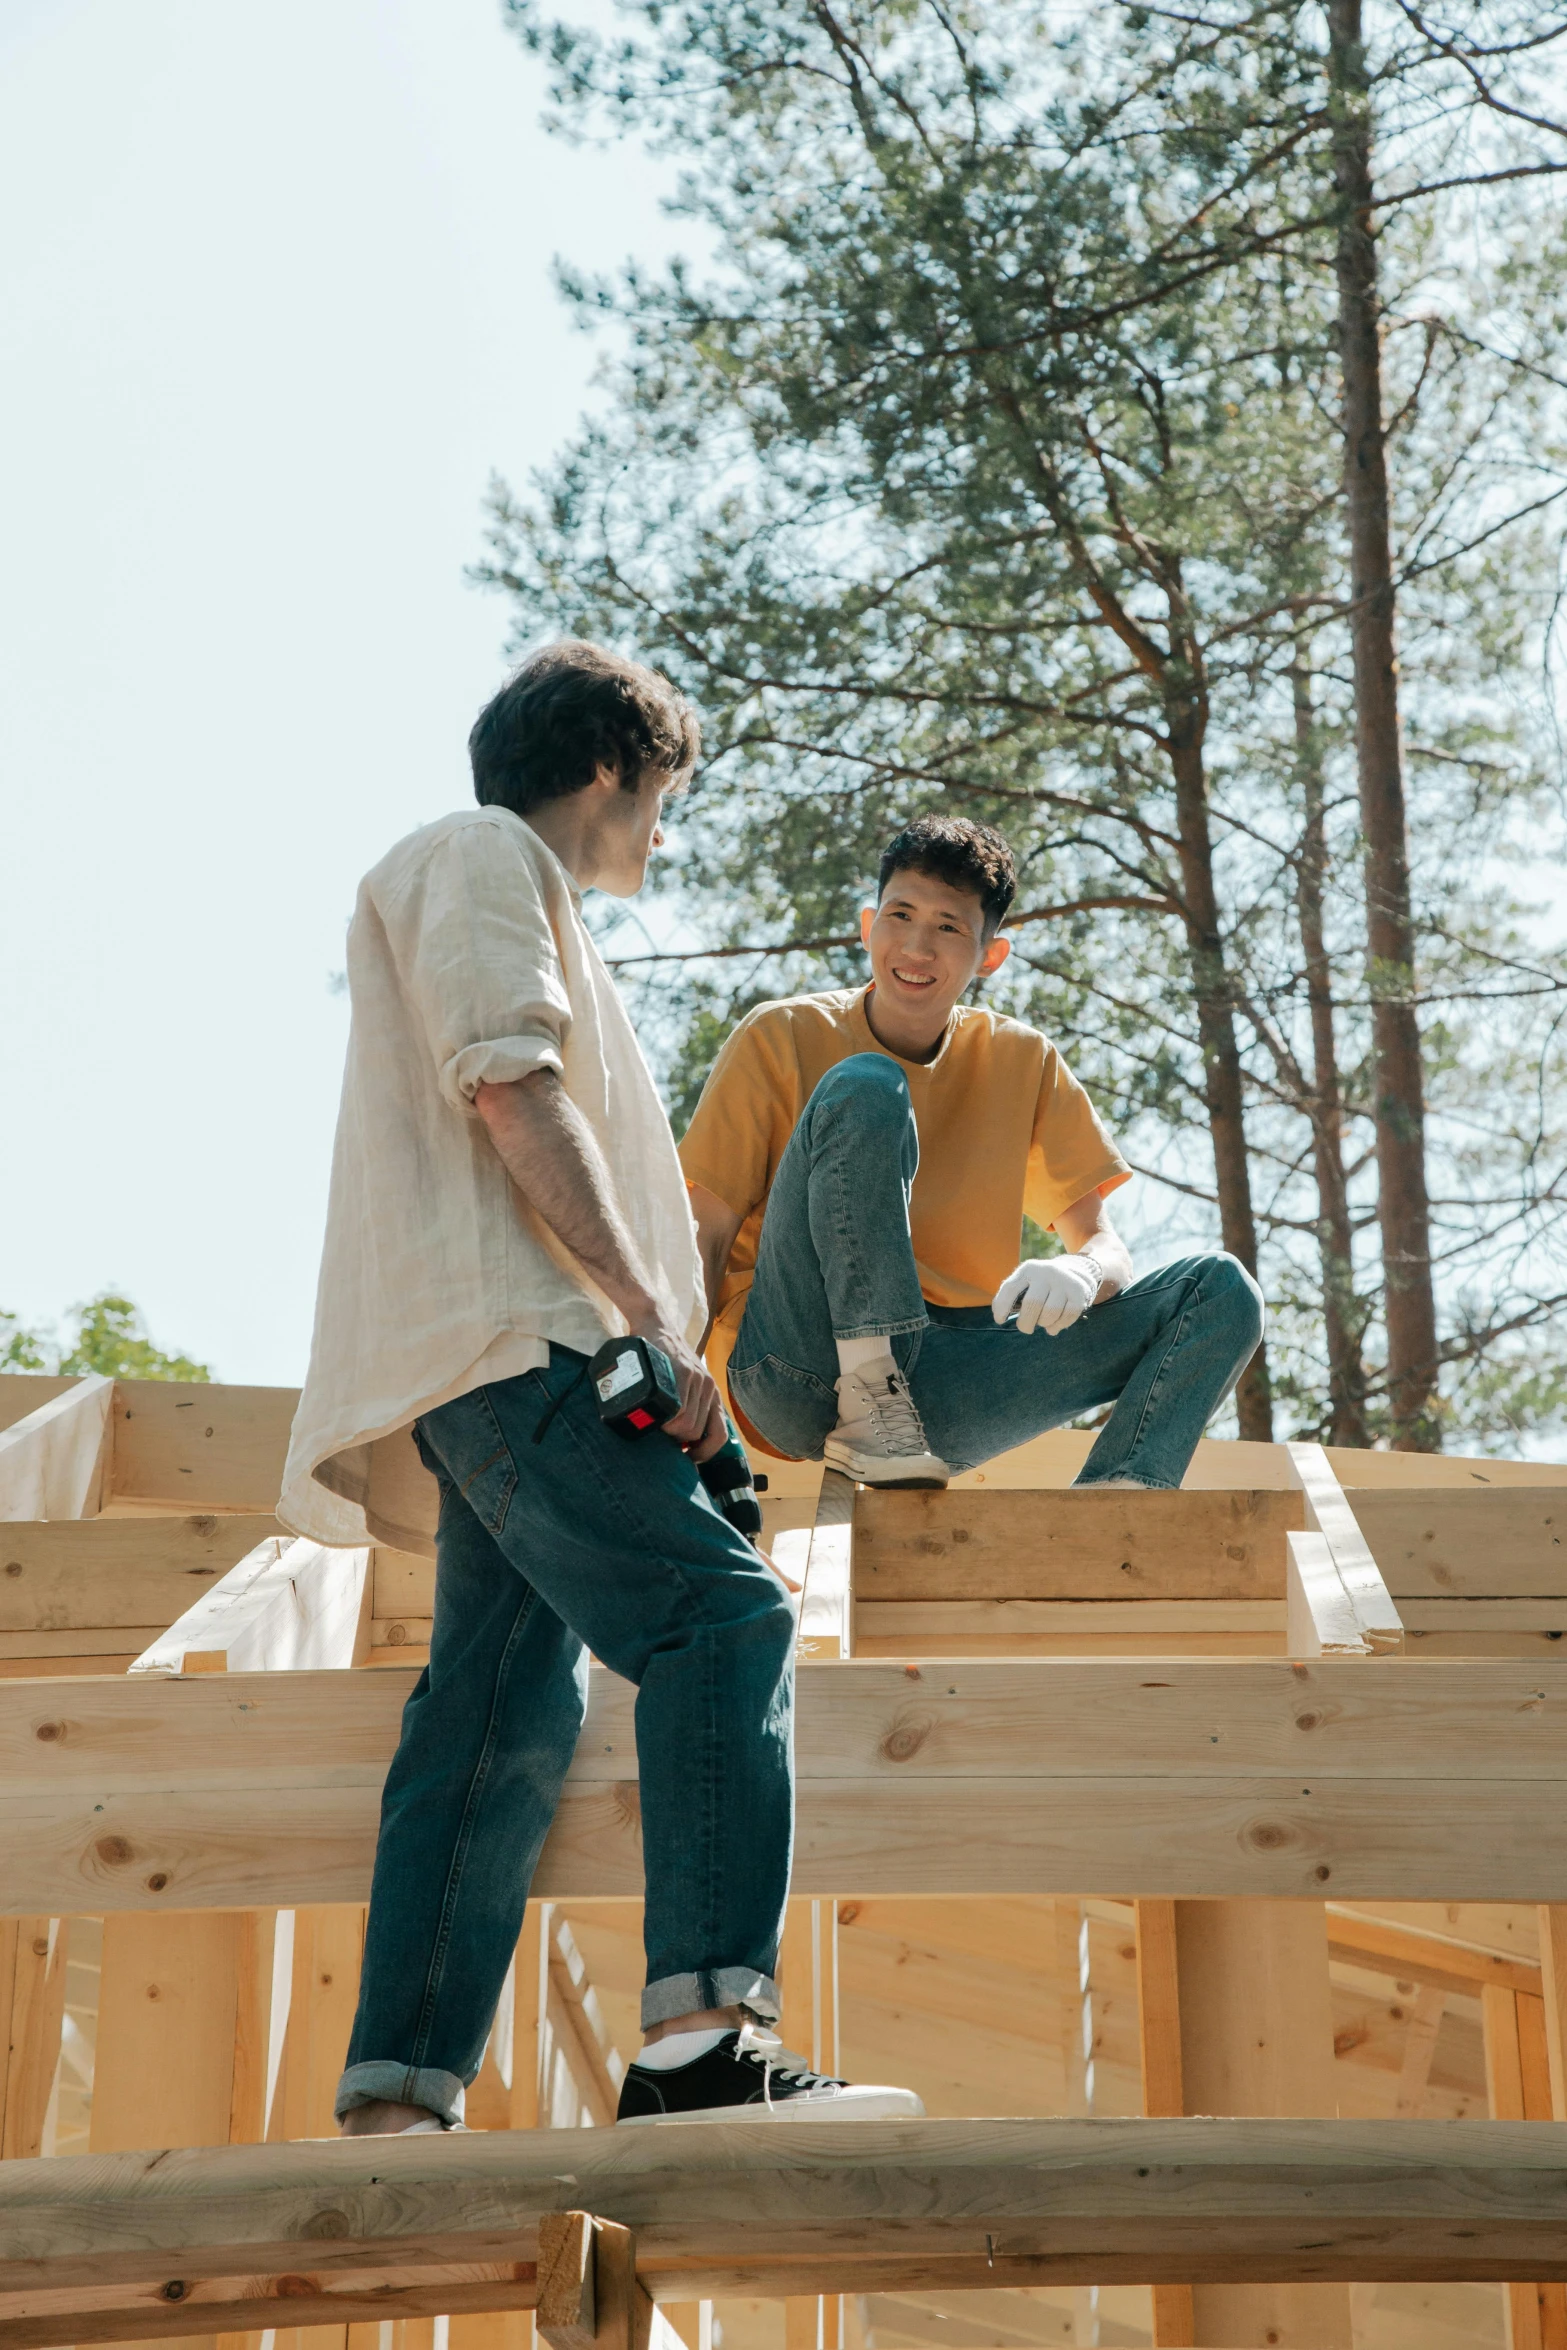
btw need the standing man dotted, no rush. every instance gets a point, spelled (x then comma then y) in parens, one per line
(860, 1165)
(505, 1195)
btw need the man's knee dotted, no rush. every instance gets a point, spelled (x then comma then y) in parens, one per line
(868, 1087)
(1236, 1297)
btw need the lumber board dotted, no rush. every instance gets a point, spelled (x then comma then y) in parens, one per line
(1328, 1513)
(1447, 1965)
(1153, 1619)
(54, 1463)
(1478, 1543)
(1401, 1780)
(1082, 1545)
(70, 1574)
(862, 1719)
(1143, 1837)
(288, 1605)
(1141, 2201)
(194, 1446)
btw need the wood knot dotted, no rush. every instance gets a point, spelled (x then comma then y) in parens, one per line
(327, 2223)
(293, 2288)
(1307, 1721)
(157, 1882)
(905, 1739)
(13, 1566)
(396, 1634)
(204, 1526)
(1268, 1836)
(49, 1732)
(114, 1851)
(848, 1911)
(175, 2290)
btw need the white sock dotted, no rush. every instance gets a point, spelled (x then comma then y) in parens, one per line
(1114, 1485)
(677, 2048)
(858, 1354)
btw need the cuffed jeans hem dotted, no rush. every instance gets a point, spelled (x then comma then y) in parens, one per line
(1123, 1477)
(725, 1986)
(885, 1329)
(438, 2092)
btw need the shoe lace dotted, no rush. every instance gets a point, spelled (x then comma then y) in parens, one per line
(774, 2057)
(897, 1422)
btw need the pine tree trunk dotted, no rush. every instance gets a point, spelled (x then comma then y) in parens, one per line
(1340, 1310)
(1399, 1108)
(1221, 1059)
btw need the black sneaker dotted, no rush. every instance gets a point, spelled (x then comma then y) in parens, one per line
(751, 2076)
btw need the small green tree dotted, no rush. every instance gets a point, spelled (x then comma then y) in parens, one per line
(110, 1338)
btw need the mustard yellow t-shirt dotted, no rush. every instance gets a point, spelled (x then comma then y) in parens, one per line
(1004, 1129)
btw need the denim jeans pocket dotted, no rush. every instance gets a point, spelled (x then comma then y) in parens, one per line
(466, 1440)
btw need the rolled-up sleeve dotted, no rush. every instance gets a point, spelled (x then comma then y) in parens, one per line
(482, 966)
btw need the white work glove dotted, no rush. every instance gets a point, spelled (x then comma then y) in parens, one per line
(1049, 1293)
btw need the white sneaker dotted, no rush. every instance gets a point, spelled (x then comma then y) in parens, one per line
(751, 2077)
(879, 1439)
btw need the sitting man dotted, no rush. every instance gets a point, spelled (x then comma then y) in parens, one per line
(860, 1164)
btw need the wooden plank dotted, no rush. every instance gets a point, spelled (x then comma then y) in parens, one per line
(1321, 1618)
(1210, 2200)
(1425, 2025)
(931, 1620)
(1159, 2010)
(403, 1584)
(133, 1571)
(290, 1605)
(870, 1720)
(55, 1462)
(1485, 1615)
(168, 2013)
(1481, 1543)
(328, 1947)
(32, 2002)
(256, 1791)
(826, 1601)
(1328, 1513)
(1425, 1958)
(1553, 1987)
(1366, 1839)
(1083, 1545)
(200, 1447)
(79, 1641)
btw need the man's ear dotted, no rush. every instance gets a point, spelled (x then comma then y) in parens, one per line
(994, 955)
(867, 917)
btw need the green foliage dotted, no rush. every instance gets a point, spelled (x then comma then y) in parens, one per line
(110, 1338)
(993, 466)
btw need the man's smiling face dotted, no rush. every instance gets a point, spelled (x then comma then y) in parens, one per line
(927, 943)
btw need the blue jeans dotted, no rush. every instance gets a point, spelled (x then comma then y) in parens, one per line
(836, 1261)
(545, 1551)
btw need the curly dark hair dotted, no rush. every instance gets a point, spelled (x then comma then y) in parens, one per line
(953, 849)
(573, 707)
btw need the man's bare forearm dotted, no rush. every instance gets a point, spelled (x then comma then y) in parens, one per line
(551, 1154)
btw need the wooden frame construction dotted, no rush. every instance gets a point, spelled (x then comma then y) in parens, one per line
(1116, 1810)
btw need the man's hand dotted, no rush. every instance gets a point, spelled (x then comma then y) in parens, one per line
(1048, 1292)
(699, 1424)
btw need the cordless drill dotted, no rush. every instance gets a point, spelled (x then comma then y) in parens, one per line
(635, 1388)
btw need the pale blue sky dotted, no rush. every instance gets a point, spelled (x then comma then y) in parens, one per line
(275, 285)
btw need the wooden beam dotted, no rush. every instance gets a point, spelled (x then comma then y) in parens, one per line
(826, 1602)
(1256, 2037)
(32, 2003)
(199, 1446)
(288, 1606)
(794, 2207)
(1161, 1779)
(55, 1462)
(1321, 1615)
(1328, 1513)
(1083, 1546)
(1487, 1543)
(1434, 1959)
(87, 1573)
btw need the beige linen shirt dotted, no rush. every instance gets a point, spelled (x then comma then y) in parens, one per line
(468, 964)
